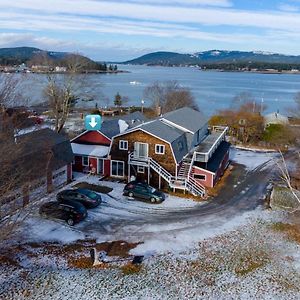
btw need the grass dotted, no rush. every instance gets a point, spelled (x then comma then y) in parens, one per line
(213, 192)
(291, 230)
(249, 263)
(130, 269)
(93, 187)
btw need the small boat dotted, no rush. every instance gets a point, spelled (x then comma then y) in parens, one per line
(134, 82)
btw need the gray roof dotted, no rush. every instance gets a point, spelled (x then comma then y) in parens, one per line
(162, 130)
(176, 137)
(33, 153)
(36, 144)
(208, 142)
(110, 127)
(187, 117)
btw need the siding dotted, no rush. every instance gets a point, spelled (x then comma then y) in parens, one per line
(222, 168)
(166, 160)
(209, 181)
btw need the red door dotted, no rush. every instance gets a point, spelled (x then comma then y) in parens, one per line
(93, 164)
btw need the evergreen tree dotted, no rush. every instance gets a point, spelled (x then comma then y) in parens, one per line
(118, 100)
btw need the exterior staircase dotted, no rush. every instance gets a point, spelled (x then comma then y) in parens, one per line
(184, 182)
(184, 168)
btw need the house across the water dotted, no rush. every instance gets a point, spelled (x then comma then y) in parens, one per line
(176, 150)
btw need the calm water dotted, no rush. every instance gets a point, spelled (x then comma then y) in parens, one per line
(212, 90)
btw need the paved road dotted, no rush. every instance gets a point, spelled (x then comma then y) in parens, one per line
(243, 192)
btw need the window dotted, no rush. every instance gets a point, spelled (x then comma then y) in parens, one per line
(85, 161)
(141, 169)
(117, 168)
(123, 145)
(159, 149)
(200, 176)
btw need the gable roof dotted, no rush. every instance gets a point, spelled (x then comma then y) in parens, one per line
(162, 130)
(111, 127)
(187, 118)
(36, 144)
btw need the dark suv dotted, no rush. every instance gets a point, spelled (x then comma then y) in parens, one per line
(86, 197)
(70, 211)
(143, 191)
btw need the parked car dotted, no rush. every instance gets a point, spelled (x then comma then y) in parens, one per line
(86, 197)
(143, 191)
(70, 211)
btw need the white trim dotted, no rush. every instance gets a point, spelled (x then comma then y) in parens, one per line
(160, 145)
(143, 169)
(176, 125)
(82, 160)
(199, 168)
(141, 143)
(98, 159)
(117, 161)
(124, 142)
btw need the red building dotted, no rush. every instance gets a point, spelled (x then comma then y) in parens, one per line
(90, 153)
(91, 148)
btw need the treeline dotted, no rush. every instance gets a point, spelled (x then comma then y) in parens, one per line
(68, 61)
(248, 66)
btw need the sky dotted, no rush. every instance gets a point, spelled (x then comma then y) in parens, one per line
(121, 30)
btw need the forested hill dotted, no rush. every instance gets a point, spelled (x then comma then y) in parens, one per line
(24, 54)
(214, 57)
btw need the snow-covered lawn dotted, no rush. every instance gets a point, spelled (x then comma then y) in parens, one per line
(191, 253)
(251, 159)
(250, 262)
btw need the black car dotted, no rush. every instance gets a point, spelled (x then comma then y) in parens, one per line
(86, 197)
(143, 191)
(70, 211)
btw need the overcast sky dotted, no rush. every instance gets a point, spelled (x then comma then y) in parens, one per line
(121, 30)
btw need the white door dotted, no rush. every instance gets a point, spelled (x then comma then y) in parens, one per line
(100, 166)
(141, 149)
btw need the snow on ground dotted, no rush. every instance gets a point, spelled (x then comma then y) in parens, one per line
(251, 262)
(250, 159)
(50, 230)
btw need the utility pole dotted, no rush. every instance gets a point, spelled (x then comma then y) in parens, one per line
(142, 102)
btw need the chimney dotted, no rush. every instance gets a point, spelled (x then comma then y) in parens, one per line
(158, 110)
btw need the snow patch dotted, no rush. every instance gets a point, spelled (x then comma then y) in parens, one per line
(250, 159)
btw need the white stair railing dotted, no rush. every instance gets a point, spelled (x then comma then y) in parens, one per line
(188, 183)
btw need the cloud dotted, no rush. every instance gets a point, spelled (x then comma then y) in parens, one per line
(215, 22)
(288, 7)
(219, 3)
(164, 14)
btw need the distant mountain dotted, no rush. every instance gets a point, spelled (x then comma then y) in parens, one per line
(24, 54)
(213, 57)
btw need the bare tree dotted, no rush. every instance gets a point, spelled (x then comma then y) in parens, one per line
(286, 177)
(41, 59)
(10, 94)
(296, 112)
(169, 96)
(63, 90)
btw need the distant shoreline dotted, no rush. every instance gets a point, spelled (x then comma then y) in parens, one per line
(271, 72)
(43, 72)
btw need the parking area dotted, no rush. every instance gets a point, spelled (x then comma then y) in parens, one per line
(100, 220)
(174, 224)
